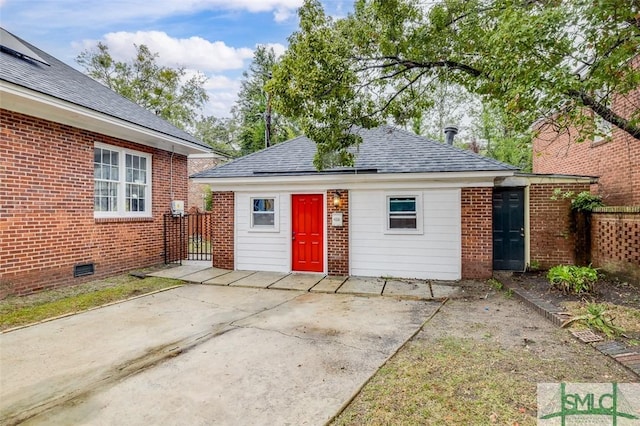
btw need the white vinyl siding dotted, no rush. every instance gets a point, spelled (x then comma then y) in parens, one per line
(432, 254)
(263, 251)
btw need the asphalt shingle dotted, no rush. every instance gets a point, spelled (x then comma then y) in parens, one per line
(383, 149)
(68, 84)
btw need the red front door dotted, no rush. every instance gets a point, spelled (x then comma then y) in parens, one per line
(307, 232)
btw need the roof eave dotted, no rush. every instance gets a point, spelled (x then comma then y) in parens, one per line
(23, 100)
(481, 178)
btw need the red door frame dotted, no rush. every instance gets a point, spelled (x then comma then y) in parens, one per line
(307, 232)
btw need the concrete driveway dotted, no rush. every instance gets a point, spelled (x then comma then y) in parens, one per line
(202, 355)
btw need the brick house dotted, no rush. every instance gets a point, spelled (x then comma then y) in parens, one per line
(86, 175)
(197, 163)
(410, 207)
(614, 158)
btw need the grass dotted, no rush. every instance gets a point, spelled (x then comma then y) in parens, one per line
(452, 381)
(17, 311)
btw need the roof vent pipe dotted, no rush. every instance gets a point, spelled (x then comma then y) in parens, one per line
(450, 132)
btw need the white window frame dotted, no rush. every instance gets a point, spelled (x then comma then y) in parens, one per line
(419, 214)
(121, 195)
(276, 214)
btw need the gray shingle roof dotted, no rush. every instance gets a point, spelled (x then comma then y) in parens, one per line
(61, 81)
(383, 150)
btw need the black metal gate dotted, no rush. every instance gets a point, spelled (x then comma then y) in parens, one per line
(187, 237)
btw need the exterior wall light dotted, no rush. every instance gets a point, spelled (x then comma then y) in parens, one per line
(336, 199)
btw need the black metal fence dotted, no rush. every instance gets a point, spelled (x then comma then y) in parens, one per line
(187, 237)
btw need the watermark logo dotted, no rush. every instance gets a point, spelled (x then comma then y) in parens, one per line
(568, 404)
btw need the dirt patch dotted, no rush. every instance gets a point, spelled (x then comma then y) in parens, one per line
(608, 289)
(478, 361)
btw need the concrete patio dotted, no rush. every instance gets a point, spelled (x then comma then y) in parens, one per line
(204, 355)
(203, 273)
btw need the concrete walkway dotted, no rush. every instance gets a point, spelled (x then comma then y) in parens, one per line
(203, 273)
(205, 355)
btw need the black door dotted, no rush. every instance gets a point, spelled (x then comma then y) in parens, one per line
(508, 229)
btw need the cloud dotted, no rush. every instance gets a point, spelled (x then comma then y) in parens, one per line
(96, 14)
(278, 48)
(193, 52)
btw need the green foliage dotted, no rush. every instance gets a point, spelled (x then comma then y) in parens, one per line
(583, 202)
(586, 202)
(597, 318)
(219, 134)
(208, 199)
(164, 91)
(503, 142)
(254, 115)
(383, 62)
(571, 279)
(534, 266)
(559, 195)
(495, 284)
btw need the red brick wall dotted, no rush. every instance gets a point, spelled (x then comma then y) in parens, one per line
(223, 229)
(196, 190)
(46, 207)
(552, 238)
(616, 161)
(477, 233)
(615, 241)
(338, 237)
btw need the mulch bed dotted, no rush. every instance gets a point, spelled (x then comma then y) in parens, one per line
(608, 289)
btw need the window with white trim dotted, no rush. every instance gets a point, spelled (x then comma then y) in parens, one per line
(264, 213)
(404, 214)
(122, 182)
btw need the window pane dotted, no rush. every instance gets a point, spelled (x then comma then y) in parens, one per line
(107, 175)
(263, 204)
(134, 198)
(402, 223)
(403, 213)
(263, 219)
(407, 204)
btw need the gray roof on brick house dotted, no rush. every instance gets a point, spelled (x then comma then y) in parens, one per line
(383, 150)
(49, 76)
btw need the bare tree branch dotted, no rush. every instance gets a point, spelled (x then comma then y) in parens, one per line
(606, 113)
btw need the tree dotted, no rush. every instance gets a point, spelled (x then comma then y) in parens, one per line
(502, 142)
(451, 105)
(162, 90)
(219, 133)
(535, 58)
(259, 123)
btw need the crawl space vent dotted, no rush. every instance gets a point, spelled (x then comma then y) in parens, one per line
(83, 269)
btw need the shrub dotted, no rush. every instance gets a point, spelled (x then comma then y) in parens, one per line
(597, 318)
(586, 202)
(573, 279)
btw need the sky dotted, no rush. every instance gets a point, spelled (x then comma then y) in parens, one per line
(215, 37)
